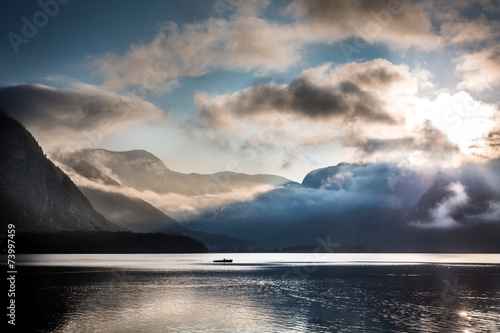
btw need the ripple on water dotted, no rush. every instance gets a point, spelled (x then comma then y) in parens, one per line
(272, 298)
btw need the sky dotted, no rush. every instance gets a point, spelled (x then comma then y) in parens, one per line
(256, 86)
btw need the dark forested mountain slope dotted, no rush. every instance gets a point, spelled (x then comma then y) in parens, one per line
(35, 195)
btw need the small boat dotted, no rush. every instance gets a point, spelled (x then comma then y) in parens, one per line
(224, 260)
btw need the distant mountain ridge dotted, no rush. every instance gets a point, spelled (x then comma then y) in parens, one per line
(142, 170)
(36, 195)
(131, 212)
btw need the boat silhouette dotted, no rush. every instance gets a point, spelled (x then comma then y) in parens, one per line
(224, 260)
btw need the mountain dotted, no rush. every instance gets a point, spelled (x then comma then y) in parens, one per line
(106, 242)
(467, 196)
(134, 214)
(139, 216)
(402, 184)
(131, 212)
(319, 178)
(381, 206)
(36, 195)
(435, 194)
(85, 169)
(142, 170)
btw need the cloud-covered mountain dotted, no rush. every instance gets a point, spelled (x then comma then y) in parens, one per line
(381, 205)
(142, 175)
(142, 170)
(132, 213)
(139, 216)
(469, 195)
(36, 195)
(123, 207)
(384, 206)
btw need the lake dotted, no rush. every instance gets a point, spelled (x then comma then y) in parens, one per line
(259, 292)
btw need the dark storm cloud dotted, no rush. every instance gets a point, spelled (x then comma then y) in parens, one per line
(345, 100)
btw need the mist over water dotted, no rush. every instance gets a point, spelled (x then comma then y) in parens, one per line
(260, 293)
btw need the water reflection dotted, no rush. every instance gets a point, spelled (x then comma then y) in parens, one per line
(262, 298)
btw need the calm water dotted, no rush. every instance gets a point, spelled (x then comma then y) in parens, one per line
(259, 293)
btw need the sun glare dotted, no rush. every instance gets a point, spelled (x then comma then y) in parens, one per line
(465, 121)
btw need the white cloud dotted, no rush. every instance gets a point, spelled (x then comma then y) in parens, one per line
(338, 181)
(464, 120)
(480, 70)
(246, 42)
(367, 92)
(374, 109)
(442, 215)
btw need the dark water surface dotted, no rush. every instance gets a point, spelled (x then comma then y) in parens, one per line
(259, 293)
